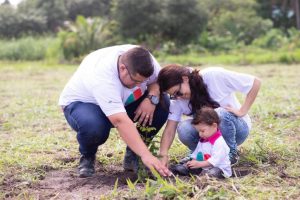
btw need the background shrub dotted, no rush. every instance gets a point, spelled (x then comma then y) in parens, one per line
(273, 39)
(27, 48)
(236, 19)
(16, 24)
(212, 27)
(86, 35)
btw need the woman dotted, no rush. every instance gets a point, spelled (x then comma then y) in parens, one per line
(190, 90)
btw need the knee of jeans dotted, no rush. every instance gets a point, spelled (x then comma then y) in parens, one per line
(94, 133)
(185, 125)
(226, 120)
(182, 137)
(225, 116)
(181, 128)
(240, 139)
(185, 130)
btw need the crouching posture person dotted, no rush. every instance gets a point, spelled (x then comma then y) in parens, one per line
(115, 87)
(191, 89)
(211, 155)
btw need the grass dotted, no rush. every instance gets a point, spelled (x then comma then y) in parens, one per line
(30, 48)
(245, 56)
(48, 48)
(35, 138)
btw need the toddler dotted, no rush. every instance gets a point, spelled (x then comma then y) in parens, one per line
(211, 154)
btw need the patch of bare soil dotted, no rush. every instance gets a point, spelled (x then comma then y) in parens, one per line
(66, 184)
(241, 171)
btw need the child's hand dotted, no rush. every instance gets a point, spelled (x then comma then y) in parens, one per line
(193, 164)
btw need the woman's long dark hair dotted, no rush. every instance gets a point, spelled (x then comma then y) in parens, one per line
(171, 75)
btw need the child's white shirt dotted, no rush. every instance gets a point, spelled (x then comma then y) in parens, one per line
(216, 152)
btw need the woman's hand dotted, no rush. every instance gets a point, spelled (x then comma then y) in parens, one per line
(236, 112)
(164, 159)
(153, 163)
(248, 101)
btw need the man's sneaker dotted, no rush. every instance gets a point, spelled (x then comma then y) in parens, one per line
(131, 161)
(234, 158)
(86, 166)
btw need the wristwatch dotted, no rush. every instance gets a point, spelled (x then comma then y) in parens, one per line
(154, 99)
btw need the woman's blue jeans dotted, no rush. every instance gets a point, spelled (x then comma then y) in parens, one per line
(234, 130)
(93, 127)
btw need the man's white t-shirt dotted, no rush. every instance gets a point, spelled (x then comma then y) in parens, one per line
(97, 81)
(216, 152)
(221, 85)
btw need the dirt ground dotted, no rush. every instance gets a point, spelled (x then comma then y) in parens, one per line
(65, 184)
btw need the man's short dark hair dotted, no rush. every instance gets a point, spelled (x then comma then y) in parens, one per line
(138, 61)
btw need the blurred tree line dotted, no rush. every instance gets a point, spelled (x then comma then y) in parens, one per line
(85, 25)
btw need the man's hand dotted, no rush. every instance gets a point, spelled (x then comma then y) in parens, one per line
(131, 137)
(144, 113)
(152, 162)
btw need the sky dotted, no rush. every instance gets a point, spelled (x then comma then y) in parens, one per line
(13, 2)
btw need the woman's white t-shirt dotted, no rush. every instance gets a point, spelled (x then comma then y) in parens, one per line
(221, 85)
(97, 81)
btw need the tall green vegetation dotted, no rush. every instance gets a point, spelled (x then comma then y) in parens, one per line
(27, 48)
(179, 21)
(163, 26)
(235, 20)
(88, 8)
(39, 16)
(138, 19)
(85, 35)
(15, 23)
(184, 20)
(55, 10)
(282, 13)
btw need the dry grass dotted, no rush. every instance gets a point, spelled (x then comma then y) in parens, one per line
(36, 140)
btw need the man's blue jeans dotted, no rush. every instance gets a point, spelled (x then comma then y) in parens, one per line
(93, 127)
(234, 130)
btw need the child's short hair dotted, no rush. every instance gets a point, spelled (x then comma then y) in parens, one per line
(206, 115)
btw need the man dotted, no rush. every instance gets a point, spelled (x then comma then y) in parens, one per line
(113, 87)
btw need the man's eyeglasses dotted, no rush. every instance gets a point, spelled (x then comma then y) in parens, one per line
(133, 79)
(176, 94)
